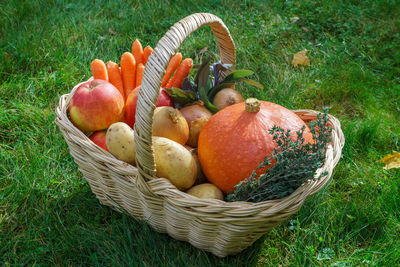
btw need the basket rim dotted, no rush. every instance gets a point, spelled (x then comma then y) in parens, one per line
(163, 188)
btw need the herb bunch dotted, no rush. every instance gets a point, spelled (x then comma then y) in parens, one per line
(296, 163)
(207, 83)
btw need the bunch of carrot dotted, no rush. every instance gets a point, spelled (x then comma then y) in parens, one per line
(130, 75)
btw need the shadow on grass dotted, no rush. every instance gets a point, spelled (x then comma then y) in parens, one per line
(85, 232)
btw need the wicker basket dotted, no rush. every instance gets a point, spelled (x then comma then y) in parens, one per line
(219, 227)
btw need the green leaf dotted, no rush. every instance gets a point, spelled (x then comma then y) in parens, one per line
(207, 103)
(203, 73)
(252, 82)
(213, 91)
(236, 75)
(180, 96)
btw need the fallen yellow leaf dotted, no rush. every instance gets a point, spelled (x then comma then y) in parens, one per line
(300, 58)
(111, 31)
(391, 161)
(7, 56)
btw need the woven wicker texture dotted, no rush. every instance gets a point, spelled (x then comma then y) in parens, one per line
(219, 227)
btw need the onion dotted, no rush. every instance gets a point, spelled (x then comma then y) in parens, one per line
(227, 97)
(200, 178)
(195, 111)
(169, 122)
(196, 116)
(194, 131)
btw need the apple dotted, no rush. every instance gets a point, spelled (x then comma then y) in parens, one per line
(96, 105)
(99, 138)
(130, 106)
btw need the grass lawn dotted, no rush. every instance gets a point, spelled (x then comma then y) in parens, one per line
(49, 216)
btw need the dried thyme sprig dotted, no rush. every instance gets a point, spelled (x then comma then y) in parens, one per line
(296, 162)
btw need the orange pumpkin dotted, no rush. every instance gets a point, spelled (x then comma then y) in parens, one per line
(235, 140)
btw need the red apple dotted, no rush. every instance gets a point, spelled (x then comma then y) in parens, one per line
(130, 106)
(96, 105)
(99, 138)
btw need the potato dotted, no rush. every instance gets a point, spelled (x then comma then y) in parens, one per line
(206, 191)
(120, 142)
(174, 162)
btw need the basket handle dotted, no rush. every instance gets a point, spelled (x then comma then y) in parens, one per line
(154, 72)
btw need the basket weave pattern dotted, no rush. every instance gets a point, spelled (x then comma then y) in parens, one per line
(219, 227)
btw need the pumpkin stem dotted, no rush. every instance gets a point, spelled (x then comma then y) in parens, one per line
(252, 105)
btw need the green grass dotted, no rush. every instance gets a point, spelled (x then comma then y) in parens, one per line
(48, 214)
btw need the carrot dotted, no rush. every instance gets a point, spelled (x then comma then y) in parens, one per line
(172, 66)
(99, 70)
(137, 51)
(181, 73)
(128, 72)
(114, 75)
(139, 74)
(146, 53)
